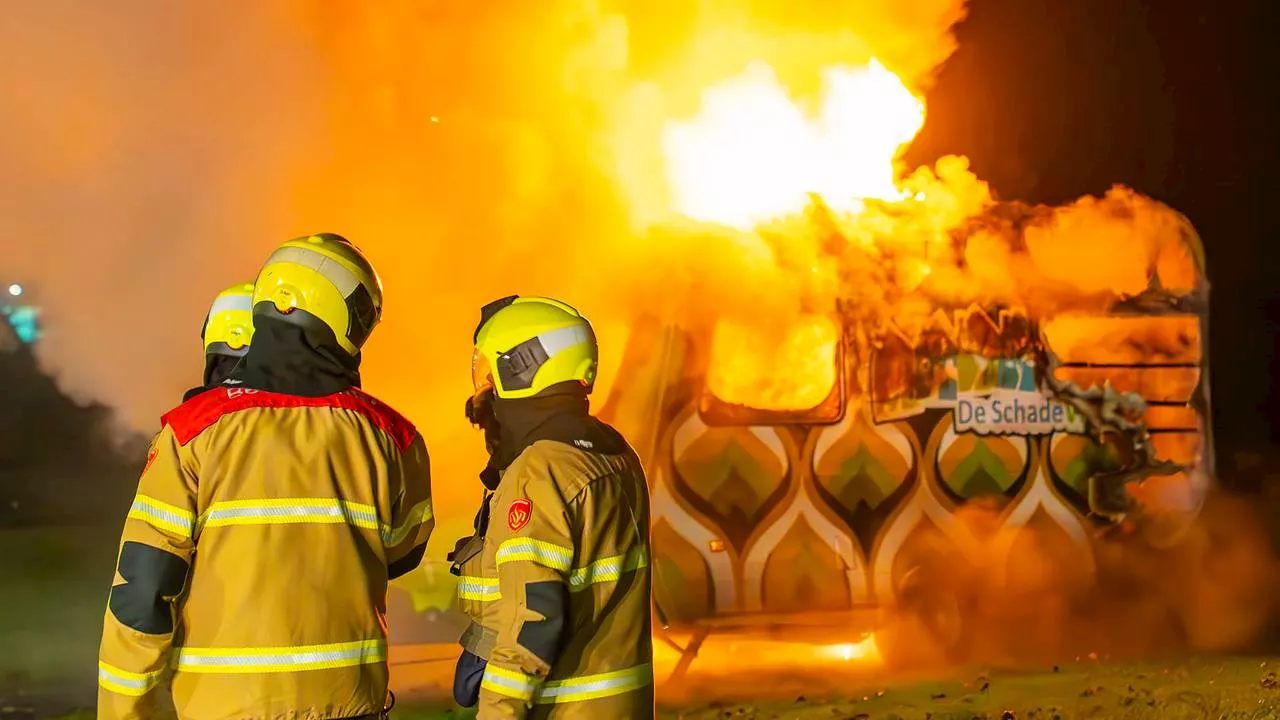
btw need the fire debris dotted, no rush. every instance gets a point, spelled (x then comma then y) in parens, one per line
(1111, 415)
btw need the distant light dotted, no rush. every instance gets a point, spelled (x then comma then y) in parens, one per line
(15, 290)
(435, 119)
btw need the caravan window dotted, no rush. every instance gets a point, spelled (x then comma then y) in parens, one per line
(762, 373)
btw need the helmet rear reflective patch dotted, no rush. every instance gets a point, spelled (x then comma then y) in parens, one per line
(226, 302)
(335, 272)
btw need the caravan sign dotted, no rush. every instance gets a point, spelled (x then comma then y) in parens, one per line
(1015, 412)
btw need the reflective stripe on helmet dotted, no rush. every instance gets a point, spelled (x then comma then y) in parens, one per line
(332, 270)
(233, 302)
(553, 341)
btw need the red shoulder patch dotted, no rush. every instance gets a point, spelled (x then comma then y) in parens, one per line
(519, 513)
(151, 458)
(200, 412)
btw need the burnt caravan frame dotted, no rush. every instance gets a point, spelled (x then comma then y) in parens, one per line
(666, 376)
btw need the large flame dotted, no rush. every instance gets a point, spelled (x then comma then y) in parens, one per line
(753, 154)
(754, 161)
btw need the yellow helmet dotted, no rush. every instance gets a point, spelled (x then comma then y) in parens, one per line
(228, 328)
(524, 345)
(321, 278)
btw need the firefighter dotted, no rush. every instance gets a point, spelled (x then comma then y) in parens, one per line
(227, 332)
(556, 581)
(270, 515)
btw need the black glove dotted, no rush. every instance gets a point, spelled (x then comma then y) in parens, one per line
(466, 679)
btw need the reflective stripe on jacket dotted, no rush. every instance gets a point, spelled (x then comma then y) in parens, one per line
(255, 558)
(559, 592)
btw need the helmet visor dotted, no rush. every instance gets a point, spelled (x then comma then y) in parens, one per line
(481, 372)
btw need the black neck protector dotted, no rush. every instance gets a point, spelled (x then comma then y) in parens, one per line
(561, 414)
(217, 367)
(295, 359)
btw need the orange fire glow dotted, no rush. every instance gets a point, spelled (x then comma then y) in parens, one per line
(727, 655)
(558, 146)
(753, 160)
(754, 155)
(779, 367)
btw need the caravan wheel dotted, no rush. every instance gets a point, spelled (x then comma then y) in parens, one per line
(928, 627)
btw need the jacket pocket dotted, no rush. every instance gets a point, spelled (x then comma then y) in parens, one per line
(475, 590)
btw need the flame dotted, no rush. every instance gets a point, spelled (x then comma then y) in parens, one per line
(753, 155)
(746, 359)
(863, 650)
(728, 655)
(817, 210)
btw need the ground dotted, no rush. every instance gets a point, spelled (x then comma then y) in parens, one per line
(55, 591)
(1208, 688)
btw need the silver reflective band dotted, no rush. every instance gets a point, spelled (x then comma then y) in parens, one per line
(508, 683)
(290, 511)
(281, 659)
(553, 341)
(344, 512)
(123, 682)
(609, 569)
(162, 516)
(474, 588)
(332, 270)
(417, 516)
(586, 687)
(277, 511)
(592, 687)
(232, 303)
(546, 554)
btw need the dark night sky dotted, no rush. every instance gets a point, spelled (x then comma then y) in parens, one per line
(1055, 99)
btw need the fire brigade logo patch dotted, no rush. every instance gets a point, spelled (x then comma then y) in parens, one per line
(519, 513)
(151, 458)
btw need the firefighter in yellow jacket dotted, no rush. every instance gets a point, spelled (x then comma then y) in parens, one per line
(227, 332)
(557, 582)
(270, 515)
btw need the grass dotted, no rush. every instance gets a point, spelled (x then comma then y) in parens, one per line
(56, 584)
(1193, 689)
(55, 594)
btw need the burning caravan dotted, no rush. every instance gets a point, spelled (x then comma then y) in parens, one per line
(814, 507)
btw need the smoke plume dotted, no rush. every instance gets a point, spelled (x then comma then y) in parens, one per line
(154, 152)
